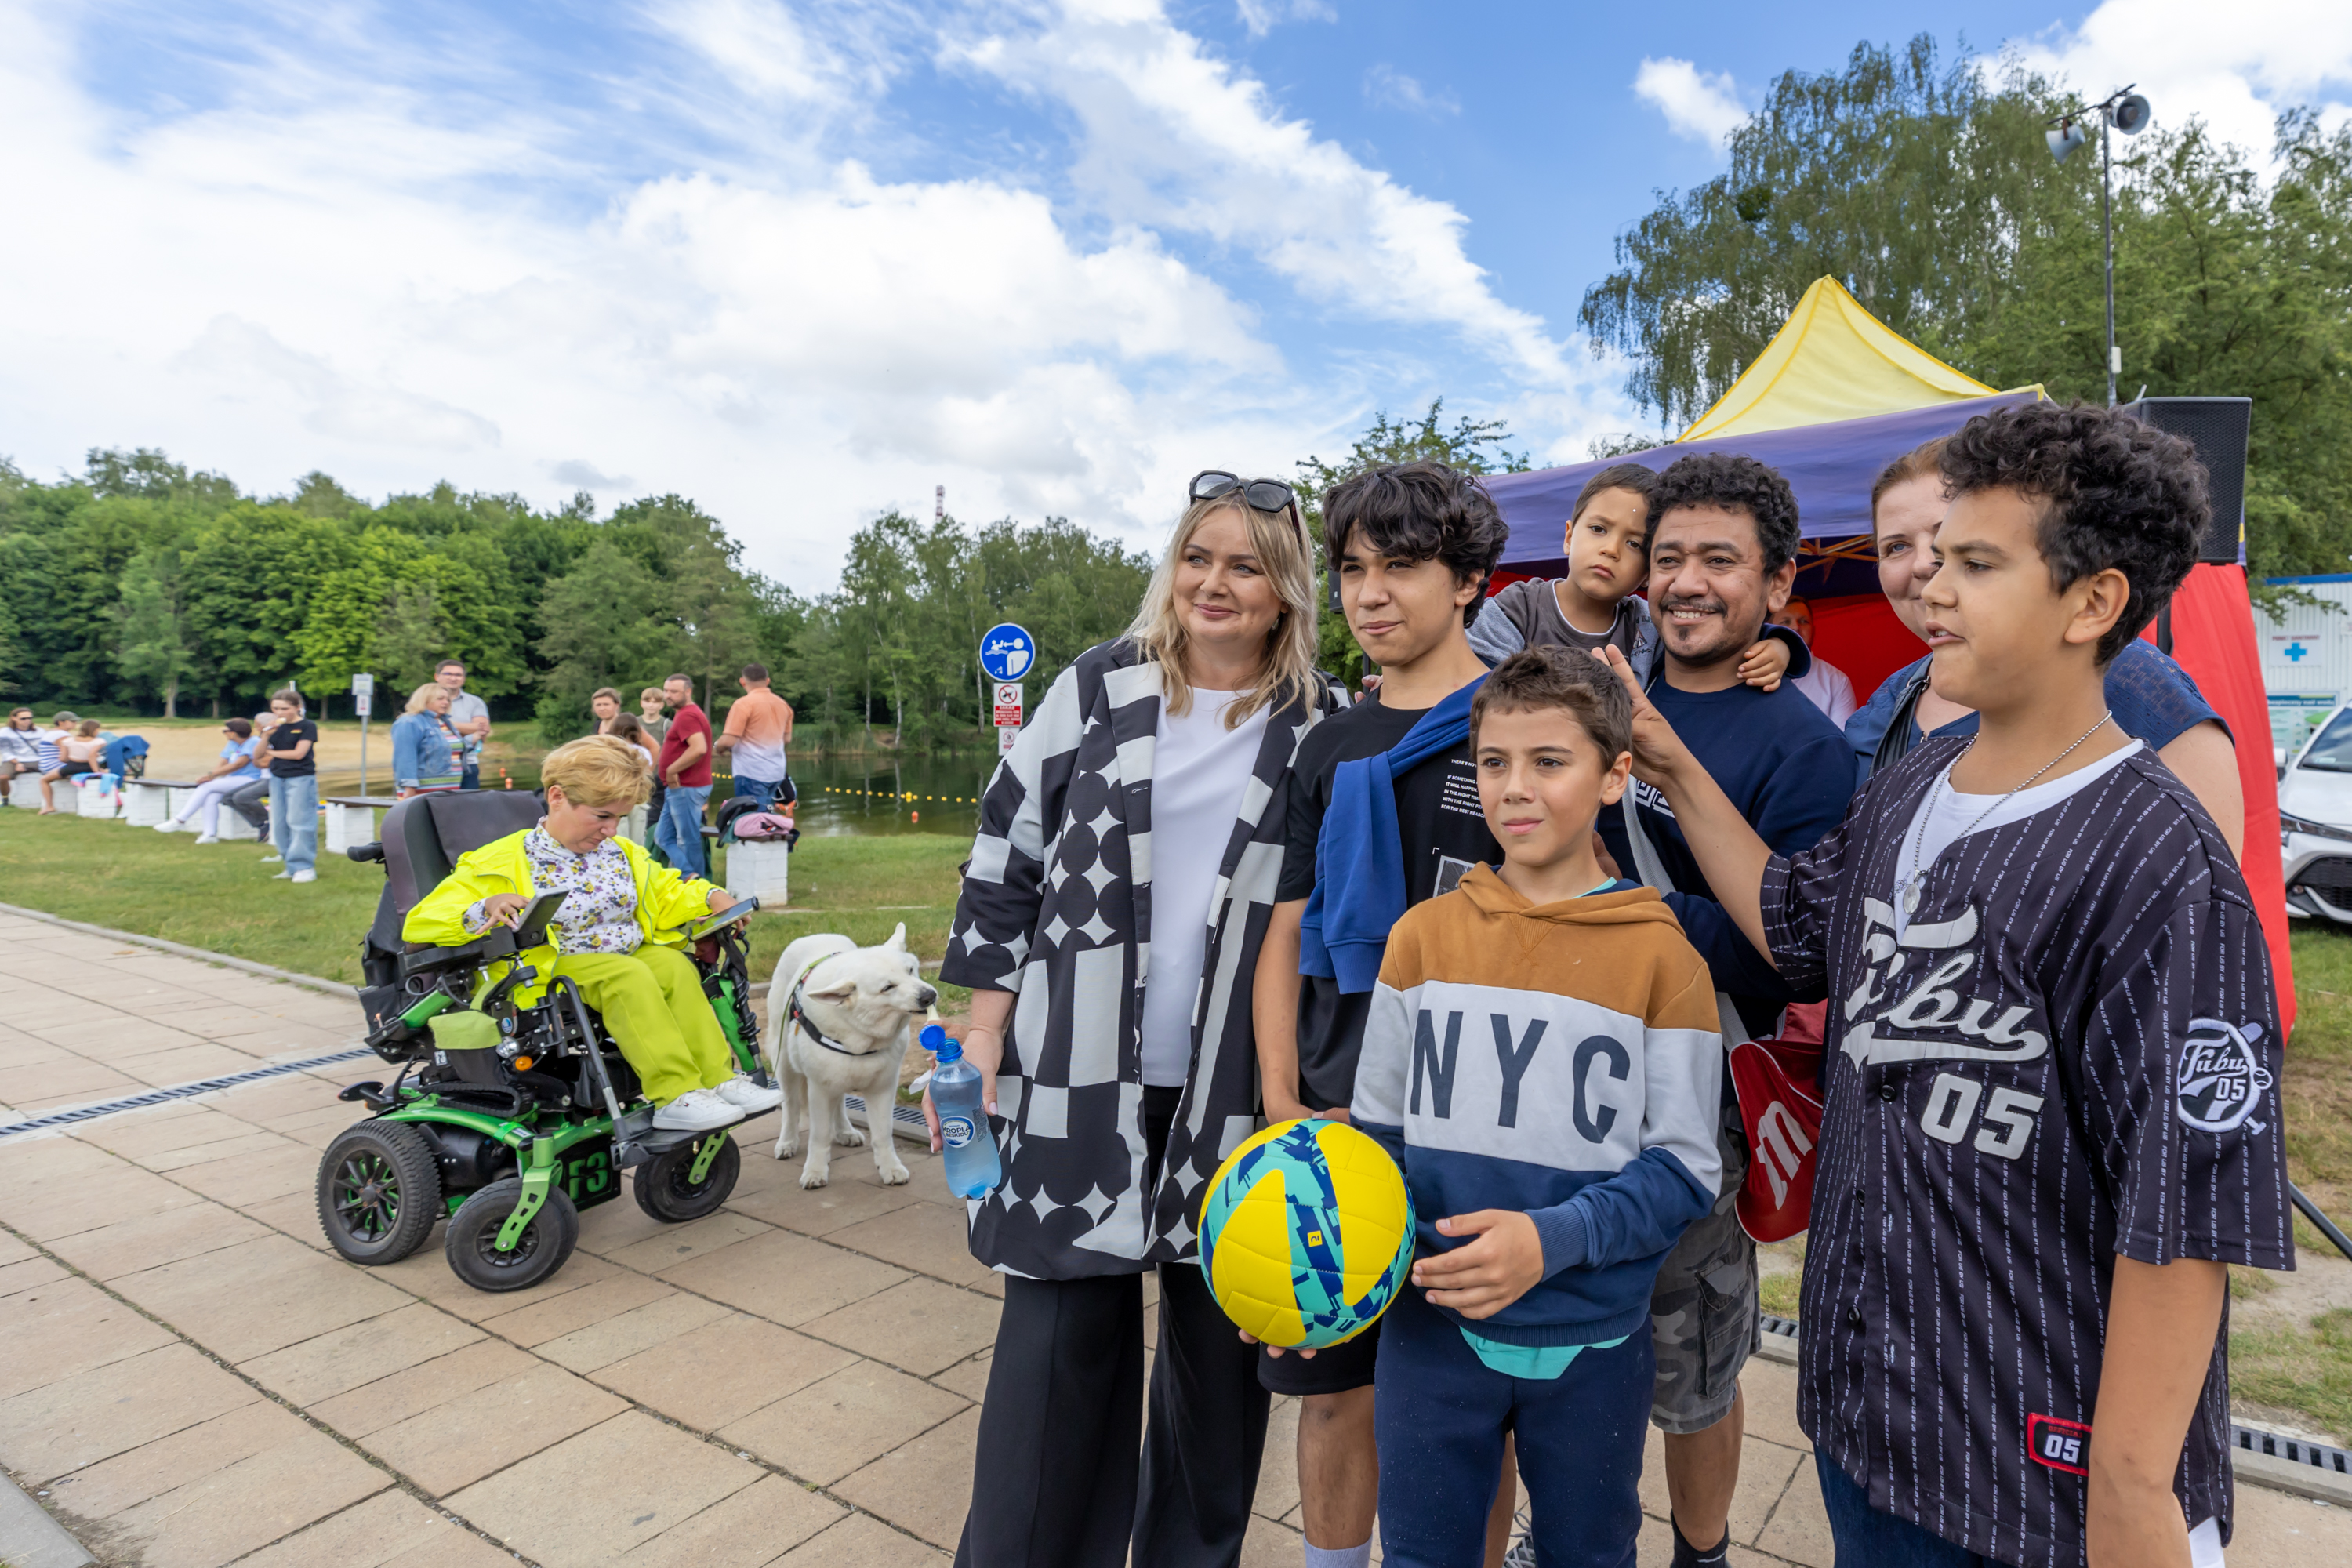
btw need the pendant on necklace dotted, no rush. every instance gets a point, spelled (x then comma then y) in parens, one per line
(1911, 895)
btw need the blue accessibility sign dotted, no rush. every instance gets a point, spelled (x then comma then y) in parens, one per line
(1007, 651)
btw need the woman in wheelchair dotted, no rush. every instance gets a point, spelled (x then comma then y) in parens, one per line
(608, 935)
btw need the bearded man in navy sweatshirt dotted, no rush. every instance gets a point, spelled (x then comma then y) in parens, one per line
(1723, 556)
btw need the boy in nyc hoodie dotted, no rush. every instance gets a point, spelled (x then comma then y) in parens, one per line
(1542, 1058)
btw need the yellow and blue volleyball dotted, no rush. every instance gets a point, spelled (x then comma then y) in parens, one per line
(1307, 1234)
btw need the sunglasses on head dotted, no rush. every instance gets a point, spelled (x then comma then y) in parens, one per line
(1266, 495)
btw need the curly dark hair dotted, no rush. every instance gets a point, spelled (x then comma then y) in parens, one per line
(2115, 493)
(1735, 483)
(1547, 676)
(1419, 511)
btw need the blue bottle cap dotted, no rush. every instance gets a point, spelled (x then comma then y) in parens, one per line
(937, 1041)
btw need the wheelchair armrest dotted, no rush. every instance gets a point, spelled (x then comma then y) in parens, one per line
(365, 853)
(486, 948)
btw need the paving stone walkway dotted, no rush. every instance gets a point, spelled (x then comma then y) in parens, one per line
(191, 1378)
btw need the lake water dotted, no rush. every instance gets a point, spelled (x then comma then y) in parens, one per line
(931, 792)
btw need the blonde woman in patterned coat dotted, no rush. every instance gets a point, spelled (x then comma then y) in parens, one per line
(1119, 889)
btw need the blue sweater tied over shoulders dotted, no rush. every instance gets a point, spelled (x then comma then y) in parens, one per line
(1360, 890)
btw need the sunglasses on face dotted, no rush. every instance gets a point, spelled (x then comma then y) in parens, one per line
(1266, 495)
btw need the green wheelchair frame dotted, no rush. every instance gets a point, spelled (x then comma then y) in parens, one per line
(506, 1120)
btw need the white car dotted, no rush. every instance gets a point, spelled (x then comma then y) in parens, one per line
(2315, 822)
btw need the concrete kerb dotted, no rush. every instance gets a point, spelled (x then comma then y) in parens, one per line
(180, 950)
(30, 1538)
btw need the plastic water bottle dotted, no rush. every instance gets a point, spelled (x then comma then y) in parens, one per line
(966, 1145)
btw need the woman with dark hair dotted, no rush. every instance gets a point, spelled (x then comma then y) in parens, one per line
(2152, 698)
(1126, 863)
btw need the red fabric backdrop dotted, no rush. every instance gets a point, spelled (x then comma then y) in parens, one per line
(2214, 638)
(1860, 633)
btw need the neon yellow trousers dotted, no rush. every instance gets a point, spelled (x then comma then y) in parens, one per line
(653, 1002)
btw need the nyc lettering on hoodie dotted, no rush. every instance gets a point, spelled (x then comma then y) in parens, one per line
(1562, 1059)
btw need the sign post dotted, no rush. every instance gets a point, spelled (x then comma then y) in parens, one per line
(1007, 653)
(363, 698)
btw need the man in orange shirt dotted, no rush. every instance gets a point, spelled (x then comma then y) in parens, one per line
(759, 726)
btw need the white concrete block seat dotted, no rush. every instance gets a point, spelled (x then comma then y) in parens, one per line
(350, 819)
(149, 803)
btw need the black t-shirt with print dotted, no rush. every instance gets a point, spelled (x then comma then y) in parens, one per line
(285, 738)
(1444, 832)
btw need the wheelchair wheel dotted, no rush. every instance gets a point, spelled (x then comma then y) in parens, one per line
(666, 1191)
(472, 1242)
(379, 1192)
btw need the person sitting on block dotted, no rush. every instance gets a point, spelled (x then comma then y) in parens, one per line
(613, 936)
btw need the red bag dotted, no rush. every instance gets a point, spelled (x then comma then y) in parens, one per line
(1781, 1110)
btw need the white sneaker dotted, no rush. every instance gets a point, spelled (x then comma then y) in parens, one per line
(744, 1095)
(305, 877)
(272, 859)
(207, 838)
(283, 876)
(167, 826)
(696, 1110)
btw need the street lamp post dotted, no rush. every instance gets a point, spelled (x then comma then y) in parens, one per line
(2128, 112)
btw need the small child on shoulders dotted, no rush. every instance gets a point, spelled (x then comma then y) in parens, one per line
(1598, 603)
(1542, 1058)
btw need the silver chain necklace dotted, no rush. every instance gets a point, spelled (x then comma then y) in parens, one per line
(1918, 878)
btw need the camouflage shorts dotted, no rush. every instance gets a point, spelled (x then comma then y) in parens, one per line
(1703, 1311)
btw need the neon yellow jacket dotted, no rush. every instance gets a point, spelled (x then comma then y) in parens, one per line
(666, 901)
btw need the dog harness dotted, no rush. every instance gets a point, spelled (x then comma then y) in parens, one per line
(798, 1016)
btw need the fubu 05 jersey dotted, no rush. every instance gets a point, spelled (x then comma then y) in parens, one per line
(2071, 1051)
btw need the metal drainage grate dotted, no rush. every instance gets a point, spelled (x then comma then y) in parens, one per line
(906, 1121)
(1785, 1327)
(78, 1114)
(2294, 1450)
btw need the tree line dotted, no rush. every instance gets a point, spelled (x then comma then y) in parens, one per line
(1925, 186)
(142, 584)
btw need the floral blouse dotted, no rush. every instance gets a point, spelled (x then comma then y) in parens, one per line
(601, 915)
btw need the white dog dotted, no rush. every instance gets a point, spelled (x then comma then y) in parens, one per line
(838, 1022)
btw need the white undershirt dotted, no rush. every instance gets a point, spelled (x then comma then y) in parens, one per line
(1200, 771)
(1922, 843)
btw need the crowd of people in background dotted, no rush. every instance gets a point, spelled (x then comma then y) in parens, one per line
(267, 770)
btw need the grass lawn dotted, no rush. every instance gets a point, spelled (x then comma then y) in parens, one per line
(221, 896)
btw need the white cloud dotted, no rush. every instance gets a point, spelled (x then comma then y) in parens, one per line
(1176, 140)
(1261, 17)
(2234, 66)
(1696, 105)
(339, 261)
(1390, 88)
(588, 476)
(241, 358)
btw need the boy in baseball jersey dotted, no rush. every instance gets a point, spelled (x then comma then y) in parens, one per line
(2052, 1050)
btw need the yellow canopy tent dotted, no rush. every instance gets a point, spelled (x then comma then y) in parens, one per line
(1831, 360)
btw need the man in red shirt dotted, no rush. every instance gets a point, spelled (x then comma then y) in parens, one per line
(685, 770)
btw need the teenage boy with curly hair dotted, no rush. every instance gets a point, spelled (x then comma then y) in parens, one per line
(2053, 1048)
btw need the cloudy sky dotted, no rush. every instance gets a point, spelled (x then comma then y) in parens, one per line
(804, 260)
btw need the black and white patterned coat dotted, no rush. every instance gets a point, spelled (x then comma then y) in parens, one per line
(1057, 907)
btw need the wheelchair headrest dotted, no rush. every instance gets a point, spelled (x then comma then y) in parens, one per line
(424, 834)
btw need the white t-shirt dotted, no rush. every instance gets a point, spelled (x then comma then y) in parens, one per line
(1953, 812)
(1200, 770)
(1830, 690)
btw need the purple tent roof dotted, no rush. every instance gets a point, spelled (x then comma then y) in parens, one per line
(1831, 467)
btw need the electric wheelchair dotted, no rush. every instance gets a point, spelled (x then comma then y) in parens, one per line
(506, 1120)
